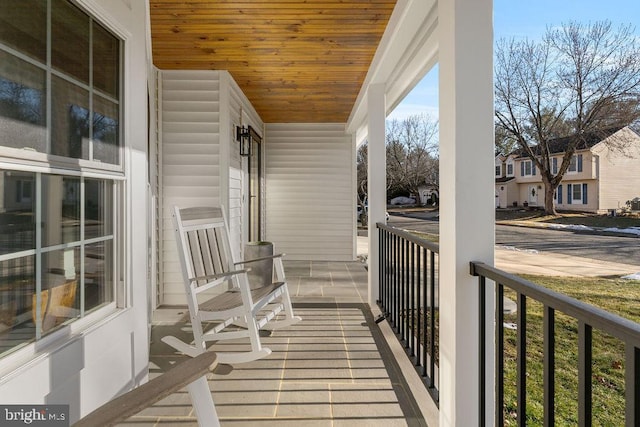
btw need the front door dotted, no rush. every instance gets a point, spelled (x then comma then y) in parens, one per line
(255, 189)
(533, 195)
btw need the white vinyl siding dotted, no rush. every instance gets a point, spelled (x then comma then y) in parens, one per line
(310, 197)
(190, 135)
(618, 172)
(240, 113)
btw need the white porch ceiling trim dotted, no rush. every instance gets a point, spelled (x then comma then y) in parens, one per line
(407, 51)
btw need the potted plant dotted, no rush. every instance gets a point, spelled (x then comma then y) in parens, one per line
(261, 273)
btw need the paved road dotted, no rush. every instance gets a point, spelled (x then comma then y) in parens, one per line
(607, 248)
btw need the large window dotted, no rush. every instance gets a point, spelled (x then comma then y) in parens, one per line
(60, 114)
(576, 163)
(527, 168)
(67, 105)
(577, 193)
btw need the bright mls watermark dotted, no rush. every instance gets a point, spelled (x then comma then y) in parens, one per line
(34, 415)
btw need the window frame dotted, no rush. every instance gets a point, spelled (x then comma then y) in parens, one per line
(44, 164)
(583, 189)
(530, 165)
(47, 157)
(510, 171)
(575, 165)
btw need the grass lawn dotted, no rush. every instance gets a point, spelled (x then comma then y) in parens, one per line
(618, 296)
(568, 218)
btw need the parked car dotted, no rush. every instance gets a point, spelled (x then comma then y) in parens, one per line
(401, 200)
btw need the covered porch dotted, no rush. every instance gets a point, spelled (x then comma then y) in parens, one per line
(313, 117)
(338, 367)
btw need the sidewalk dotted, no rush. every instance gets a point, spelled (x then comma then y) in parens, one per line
(515, 261)
(556, 264)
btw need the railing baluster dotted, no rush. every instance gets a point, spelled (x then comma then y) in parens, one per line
(412, 303)
(584, 373)
(522, 360)
(432, 320)
(418, 315)
(387, 276)
(632, 385)
(403, 280)
(549, 365)
(482, 346)
(423, 318)
(396, 282)
(499, 331)
(407, 292)
(381, 263)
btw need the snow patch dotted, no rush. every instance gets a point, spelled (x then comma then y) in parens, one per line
(630, 230)
(635, 276)
(513, 248)
(570, 227)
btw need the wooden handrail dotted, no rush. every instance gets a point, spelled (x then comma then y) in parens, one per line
(134, 401)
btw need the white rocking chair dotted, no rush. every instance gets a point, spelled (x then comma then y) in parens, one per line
(207, 265)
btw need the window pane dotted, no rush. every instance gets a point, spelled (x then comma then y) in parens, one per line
(60, 280)
(577, 193)
(17, 204)
(17, 311)
(70, 124)
(22, 104)
(106, 55)
(98, 208)
(60, 210)
(70, 40)
(98, 274)
(23, 26)
(105, 131)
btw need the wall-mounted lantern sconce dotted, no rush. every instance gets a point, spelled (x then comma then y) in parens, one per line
(246, 136)
(243, 136)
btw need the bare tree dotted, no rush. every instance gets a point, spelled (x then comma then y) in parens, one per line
(412, 154)
(579, 81)
(362, 155)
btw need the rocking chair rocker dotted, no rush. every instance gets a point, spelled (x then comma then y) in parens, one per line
(208, 266)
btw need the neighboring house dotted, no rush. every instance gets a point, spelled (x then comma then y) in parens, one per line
(603, 174)
(506, 191)
(429, 195)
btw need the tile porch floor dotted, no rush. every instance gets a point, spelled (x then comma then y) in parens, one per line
(332, 369)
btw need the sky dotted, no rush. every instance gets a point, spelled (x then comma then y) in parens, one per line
(525, 19)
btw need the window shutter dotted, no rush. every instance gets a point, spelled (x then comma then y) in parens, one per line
(579, 162)
(569, 194)
(559, 194)
(521, 168)
(584, 194)
(554, 167)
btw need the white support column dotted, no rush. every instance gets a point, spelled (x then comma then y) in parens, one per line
(377, 178)
(467, 200)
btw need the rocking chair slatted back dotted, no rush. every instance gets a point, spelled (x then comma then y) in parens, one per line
(206, 240)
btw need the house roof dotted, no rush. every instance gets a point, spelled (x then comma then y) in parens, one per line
(588, 140)
(504, 179)
(297, 61)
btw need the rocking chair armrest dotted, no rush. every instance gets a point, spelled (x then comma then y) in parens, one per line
(213, 277)
(249, 261)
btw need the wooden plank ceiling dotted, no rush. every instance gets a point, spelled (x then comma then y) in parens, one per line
(296, 60)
